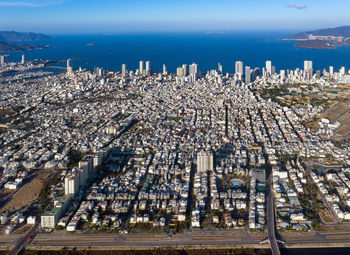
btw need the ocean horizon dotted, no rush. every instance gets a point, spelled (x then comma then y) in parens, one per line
(174, 49)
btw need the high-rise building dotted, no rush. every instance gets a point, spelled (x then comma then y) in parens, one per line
(255, 73)
(331, 70)
(219, 67)
(148, 68)
(69, 67)
(184, 67)
(123, 70)
(283, 74)
(71, 184)
(193, 68)
(205, 161)
(165, 70)
(100, 72)
(76, 83)
(247, 74)
(342, 70)
(23, 59)
(308, 68)
(318, 74)
(141, 67)
(180, 72)
(268, 68)
(239, 67)
(4, 59)
(193, 71)
(273, 70)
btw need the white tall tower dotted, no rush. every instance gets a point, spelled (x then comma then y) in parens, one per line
(148, 68)
(308, 68)
(331, 70)
(239, 68)
(193, 70)
(123, 70)
(4, 59)
(184, 67)
(205, 161)
(165, 70)
(141, 68)
(69, 67)
(23, 59)
(247, 74)
(268, 68)
(219, 67)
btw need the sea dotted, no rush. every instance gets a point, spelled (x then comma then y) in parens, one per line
(174, 49)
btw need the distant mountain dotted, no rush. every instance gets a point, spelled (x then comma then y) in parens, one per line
(12, 36)
(343, 31)
(13, 47)
(329, 36)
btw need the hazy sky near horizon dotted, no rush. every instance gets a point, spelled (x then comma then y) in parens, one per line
(113, 16)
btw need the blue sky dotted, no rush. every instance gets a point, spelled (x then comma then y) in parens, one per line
(113, 16)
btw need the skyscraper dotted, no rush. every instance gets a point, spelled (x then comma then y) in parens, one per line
(148, 68)
(219, 67)
(342, 70)
(308, 68)
(4, 59)
(123, 70)
(318, 74)
(268, 68)
(193, 70)
(184, 67)
(273, 70)
(100, 72)
(283, 74)
(141, 67)
(165, 70)
(205, 161)
(331, 70)
(247, 74)
(255, 73)
(180, 72)
(239, 67)
(23, 59)
(69, 67)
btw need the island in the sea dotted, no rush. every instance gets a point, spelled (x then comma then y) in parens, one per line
(327, 38)
(9, 41)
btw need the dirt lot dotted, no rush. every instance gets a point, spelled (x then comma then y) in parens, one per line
(337, 111)
(326, 216)
(28, 193)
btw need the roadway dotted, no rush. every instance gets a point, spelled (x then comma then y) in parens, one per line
(193, 240)
(186, 240)
(270, 212)
(137, 241)
(24, 240)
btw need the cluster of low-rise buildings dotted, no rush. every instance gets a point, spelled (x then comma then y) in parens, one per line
(172, 142)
